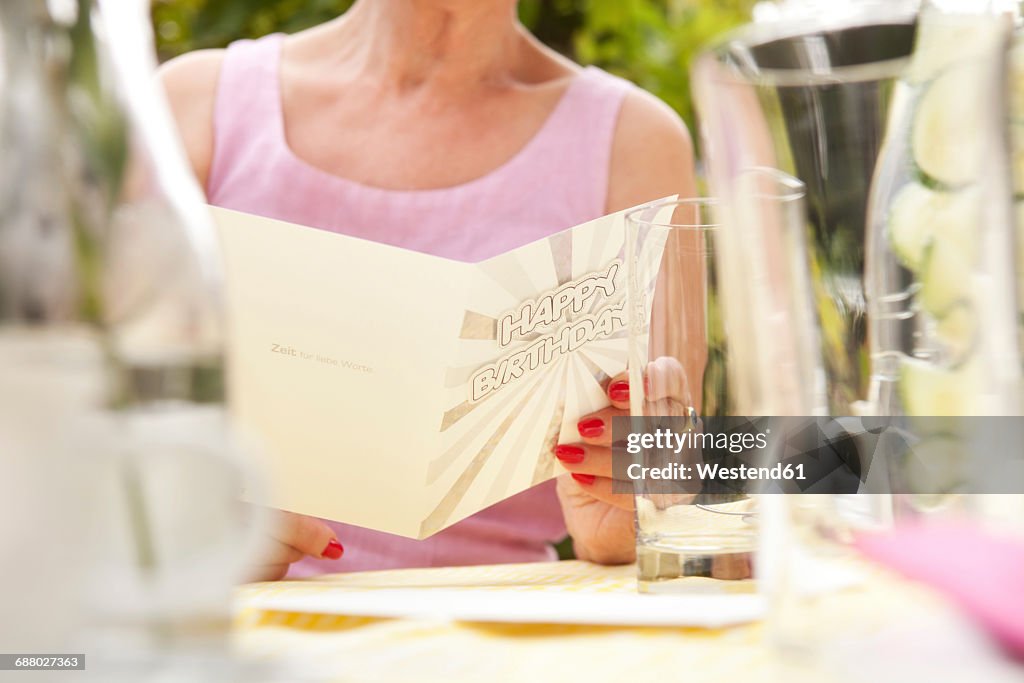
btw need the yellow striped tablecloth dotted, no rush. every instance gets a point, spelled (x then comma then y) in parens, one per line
(348, 648)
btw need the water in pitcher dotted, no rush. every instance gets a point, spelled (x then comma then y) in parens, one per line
(810, 100)
(940, 226)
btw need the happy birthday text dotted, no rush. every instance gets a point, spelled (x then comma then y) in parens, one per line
(545, 311)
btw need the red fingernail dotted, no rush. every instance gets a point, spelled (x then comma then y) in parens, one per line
(619, 391)
(333, 551)
(591, 428)
(569, 454)
(585, 479)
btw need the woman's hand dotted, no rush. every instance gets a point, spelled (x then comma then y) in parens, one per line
(292, 537)
(599, 521)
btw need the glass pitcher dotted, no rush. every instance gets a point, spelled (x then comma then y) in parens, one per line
(940, 243)
(809, 98)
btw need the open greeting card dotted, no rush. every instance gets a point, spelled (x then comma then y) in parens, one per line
(402, 391)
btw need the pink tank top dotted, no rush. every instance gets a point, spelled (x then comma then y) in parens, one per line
(557, 180)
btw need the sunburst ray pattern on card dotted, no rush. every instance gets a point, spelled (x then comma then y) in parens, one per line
(503, 440)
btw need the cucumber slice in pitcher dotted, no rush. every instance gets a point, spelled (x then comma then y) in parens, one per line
(950, 257)
(942, 42)
(944, 138)
(929, 390)
(911, 224)
(921, 214)
(946, 280)
(957, 332)
(937, 464)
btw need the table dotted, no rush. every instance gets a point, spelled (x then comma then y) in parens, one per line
(352, 648)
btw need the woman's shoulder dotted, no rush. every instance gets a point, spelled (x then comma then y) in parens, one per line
(652, 153)
(190, 82)
(192, 76)
(647, 123)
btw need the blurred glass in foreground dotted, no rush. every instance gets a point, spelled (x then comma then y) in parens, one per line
(121, 471)
(821, 97)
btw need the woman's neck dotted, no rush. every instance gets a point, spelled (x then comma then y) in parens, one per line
(409, 43)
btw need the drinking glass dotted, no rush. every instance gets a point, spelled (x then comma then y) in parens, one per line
(678, 355)
(689, 361)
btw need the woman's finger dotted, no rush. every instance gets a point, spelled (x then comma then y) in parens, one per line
(586, 459)
(666, 379)
(601, 489)
(267, 572)
(276, 552)
(309, 535)
(668, 407)
(666, 390)
(596, 429)
(618, 391)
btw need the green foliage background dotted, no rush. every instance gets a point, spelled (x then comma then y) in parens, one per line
(650, 42)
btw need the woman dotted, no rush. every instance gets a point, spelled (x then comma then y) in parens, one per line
(407, 122)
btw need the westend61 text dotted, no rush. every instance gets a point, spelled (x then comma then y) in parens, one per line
(715, 472)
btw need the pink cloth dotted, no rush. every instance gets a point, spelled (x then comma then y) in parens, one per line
(983, 574)
(557, 180)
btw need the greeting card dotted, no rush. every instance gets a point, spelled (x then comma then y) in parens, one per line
(402, 391)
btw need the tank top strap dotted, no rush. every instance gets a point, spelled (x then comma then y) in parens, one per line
(245, 117)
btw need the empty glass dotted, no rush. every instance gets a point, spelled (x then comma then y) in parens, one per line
(678, 355)
(688, 363)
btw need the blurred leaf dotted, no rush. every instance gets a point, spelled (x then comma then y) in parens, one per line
(564, 549)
